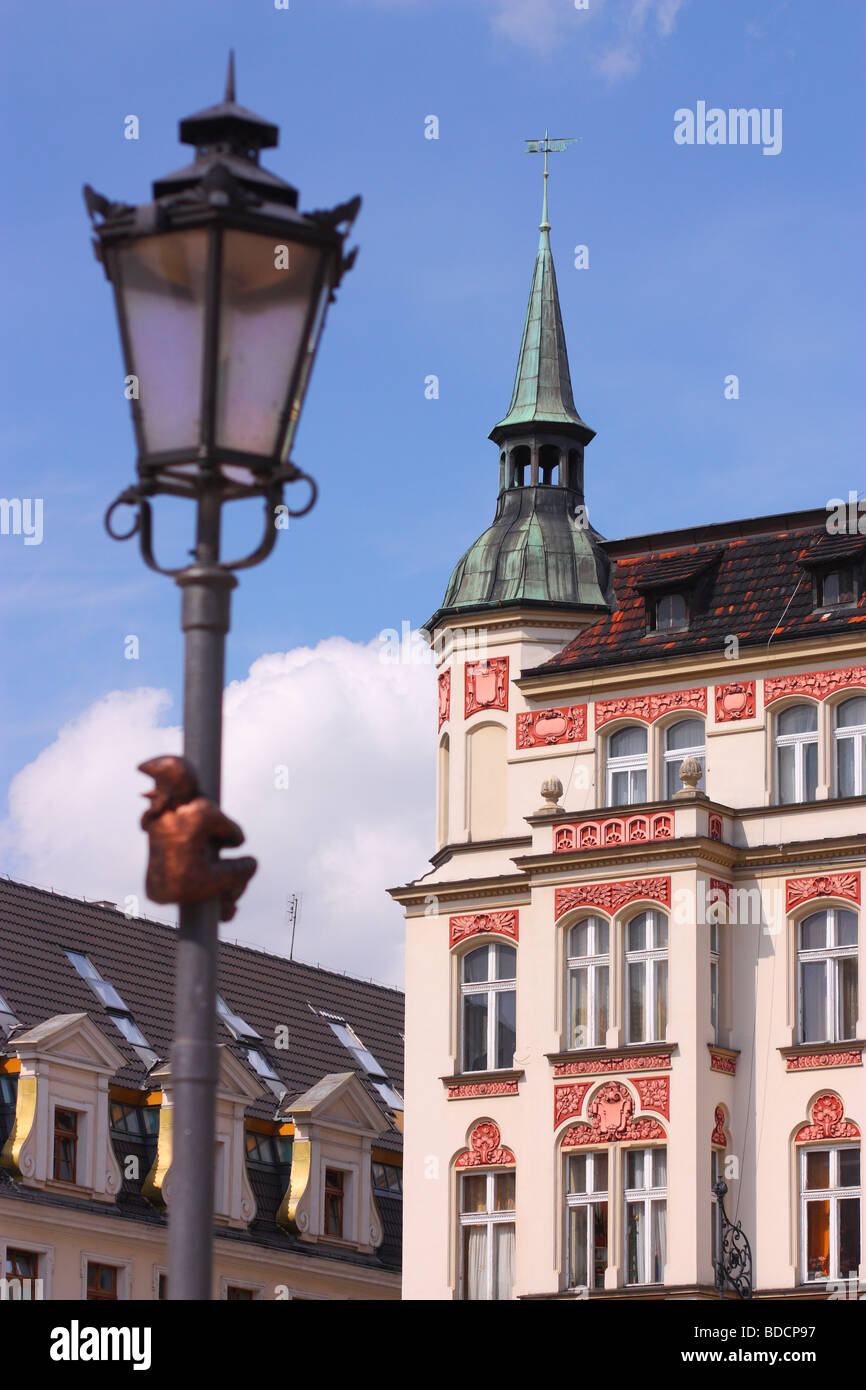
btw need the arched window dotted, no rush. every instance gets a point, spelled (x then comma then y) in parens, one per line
(626, 766)
(827, 975)
(548, 460)
(646, 969)
(488, 1008)
(588, 983)
(797, 754)
(486, 1235)
(683, 740)
(830, 1212)
(586, 1208)
(851, 747)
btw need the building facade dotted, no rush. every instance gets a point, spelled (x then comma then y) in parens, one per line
(636, 964)
(308, 1130)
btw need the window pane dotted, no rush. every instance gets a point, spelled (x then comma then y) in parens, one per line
(661, 999)
(578, 1223)
(660, 1167)
(851, 712)
(629, 742)
(637, 939)
(814, 1001)
(579, 1008)
(506, 963)
(849, 1237)
(636, 1002)
(474, 1262)
(817, 1240)
(846, 749)
(847, 996)
(635, 1243)
(503, 1244)
(658, 1243)
(577, 1172)
(475, 1032)
(810, 775)
(637, 788)
(474, 1192)
(619, 789)
(673, 784)
(602, 1017)
(849, 1167)
(846, 928)
(599, 1243)
(506, 1037)
(714, 994)
(602, 936)
(817, 1170)
(813, 932)
(475, 966)
(578, 939)
(688, 733)
(787, 785)
(660, 924)
(634, 1168)
(801, 719)
(503, 1192)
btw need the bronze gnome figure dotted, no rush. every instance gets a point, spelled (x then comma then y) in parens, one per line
(186, 832)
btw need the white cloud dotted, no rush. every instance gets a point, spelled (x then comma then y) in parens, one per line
(357, 737)
(623, 58)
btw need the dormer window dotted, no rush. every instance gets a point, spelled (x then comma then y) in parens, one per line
(668, 613)
(65, 1145)
(836, 587)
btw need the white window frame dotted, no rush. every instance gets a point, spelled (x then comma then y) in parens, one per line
(649, 957)
(675, 756)
(124, 1273)
(351, 1188)
(257, 1290)
(45, 1256)
(590, 965)
(586, 1199)
(799, 743)
(83, 1147)
(832, 1194)
(488, 1218)
(626, 762)
(715, 976)
(832, 972)
(857, 734)
(489, 987)
(645, 1196)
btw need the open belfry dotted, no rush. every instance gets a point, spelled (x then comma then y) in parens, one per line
(634, 1038)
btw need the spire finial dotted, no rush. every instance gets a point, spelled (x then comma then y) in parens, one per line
(546, 147)
(230, 77)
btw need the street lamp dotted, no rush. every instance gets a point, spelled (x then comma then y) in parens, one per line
(221, 288)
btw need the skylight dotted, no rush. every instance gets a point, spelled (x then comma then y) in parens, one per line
(260, 1064)
(235, 1024)
(8, 1021)
(115, 1007)
(350, 1040)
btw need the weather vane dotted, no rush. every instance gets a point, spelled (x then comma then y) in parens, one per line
(546, 147)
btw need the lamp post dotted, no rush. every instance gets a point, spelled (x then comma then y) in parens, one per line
(221, 288)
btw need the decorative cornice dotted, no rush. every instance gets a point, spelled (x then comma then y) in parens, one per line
(444, 698)
(826, 1122)
(817, 684)
(601, 1063)
(613, 830)
(654, 1093)
(544, 727)
(475, 923)
(801, 890)
(486, 684)
(803, 1059)
(649, 708)
(501, 1083)
(611, 896)
(485, 1148)
(723, 1059)
(735, 701)
(611, 1120)
(568, 1101)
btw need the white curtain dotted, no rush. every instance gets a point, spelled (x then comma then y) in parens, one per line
(504, 1237)
(475, 1261)
(659, 1243)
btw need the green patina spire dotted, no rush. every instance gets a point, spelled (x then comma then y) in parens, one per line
(540, 551)
(542, 392)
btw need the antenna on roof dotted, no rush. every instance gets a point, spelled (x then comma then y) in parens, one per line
(293, 912)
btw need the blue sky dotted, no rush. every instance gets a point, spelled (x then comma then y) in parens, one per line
(704, 261)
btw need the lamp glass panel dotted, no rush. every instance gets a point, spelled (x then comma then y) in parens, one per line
(161, 283)
(263, 316)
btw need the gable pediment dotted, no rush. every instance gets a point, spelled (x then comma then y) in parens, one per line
(340, 1100)
(71, 1039)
